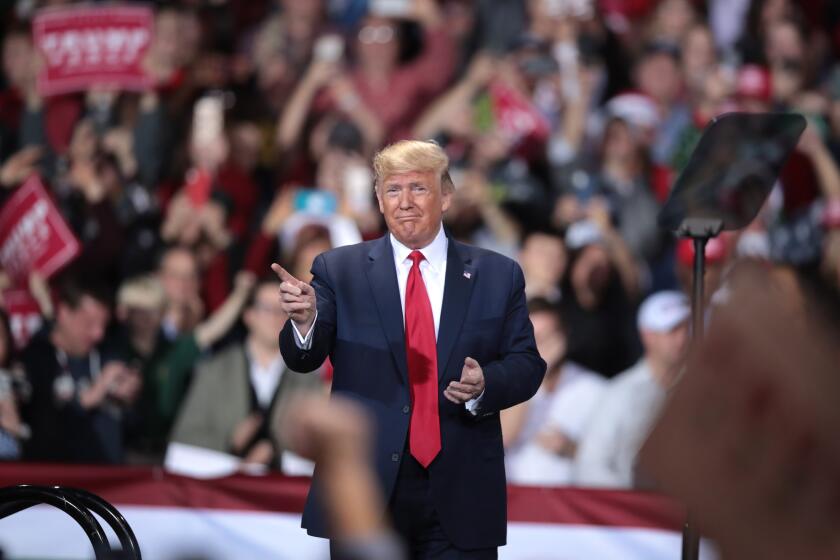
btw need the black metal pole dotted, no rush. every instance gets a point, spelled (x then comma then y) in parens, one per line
(698, 297)
(691, 538)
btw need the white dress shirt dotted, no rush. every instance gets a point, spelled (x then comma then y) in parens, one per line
(265, 380)
(433, 271)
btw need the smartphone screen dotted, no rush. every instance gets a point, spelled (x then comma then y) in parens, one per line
(198, 187)
(315, 202)
(208, 120)
(329, 48)
(390, 8)
(358, 187)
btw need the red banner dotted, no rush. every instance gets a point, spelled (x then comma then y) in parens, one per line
(154, 486)
(33, 235)
(242, 517)
(87, 45)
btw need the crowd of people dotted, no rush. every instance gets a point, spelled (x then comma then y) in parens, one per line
(566, 123)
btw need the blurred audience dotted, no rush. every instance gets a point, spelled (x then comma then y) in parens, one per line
(598, 298)
(82, 392)
(631, 402)
(14, 390)
(166, 363)
(235, 403)
(541, 435)
(566, 122)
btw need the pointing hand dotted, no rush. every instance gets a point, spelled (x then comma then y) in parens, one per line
(296, 298)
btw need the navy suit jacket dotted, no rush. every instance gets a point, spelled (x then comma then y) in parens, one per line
(360, 327)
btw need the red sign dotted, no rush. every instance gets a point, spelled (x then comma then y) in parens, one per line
(33, 235)
(516, 117)
(24, 315)
(92, 45)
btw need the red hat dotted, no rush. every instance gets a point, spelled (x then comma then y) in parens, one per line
(754, 83)
(716, 251)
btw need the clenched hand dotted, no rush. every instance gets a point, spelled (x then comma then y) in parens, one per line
(470, 386)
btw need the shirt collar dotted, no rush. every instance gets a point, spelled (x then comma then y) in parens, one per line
(277, 364)
(435, 252)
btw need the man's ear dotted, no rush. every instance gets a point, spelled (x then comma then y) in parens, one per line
(379, 199)
(61, 310)
(446, 197)
(648, 338)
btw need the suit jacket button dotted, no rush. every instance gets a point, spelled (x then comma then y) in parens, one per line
(395, 457)
(406, 409)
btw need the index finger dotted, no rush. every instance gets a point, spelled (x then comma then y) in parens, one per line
(283, 274)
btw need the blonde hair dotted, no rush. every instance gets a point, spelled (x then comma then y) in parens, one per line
(144, 292)
(408, 156)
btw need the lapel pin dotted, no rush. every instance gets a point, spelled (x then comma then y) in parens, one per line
(467, 275)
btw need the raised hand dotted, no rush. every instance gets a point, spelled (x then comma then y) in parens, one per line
(281, 208)
(127, 385)
(296, 298)
(555, 441)
(470, 386)
(328, 430)
(19, 166)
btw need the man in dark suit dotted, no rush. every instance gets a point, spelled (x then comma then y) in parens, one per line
(433, 338)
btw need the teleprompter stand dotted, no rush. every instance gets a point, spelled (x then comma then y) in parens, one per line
(729, 176)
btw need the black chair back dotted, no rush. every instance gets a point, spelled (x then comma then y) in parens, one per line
(80, 505)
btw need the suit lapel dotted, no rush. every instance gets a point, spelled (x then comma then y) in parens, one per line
(460, 279)
(382, 276)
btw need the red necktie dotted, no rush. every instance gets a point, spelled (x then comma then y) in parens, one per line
(421, 352)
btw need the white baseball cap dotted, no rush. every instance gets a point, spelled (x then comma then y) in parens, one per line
(663, 311)
(636, 109)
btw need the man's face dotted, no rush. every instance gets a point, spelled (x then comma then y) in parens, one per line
(265, 318)
(659, 77)
(377, 44)
(179, 277)
(543, 257)
(551, 342)
(141, 320)
(82, 328)
(592, 269)
(302, 267)
(168, 27)
(670, 347)
(17, 57)
(413, 205)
